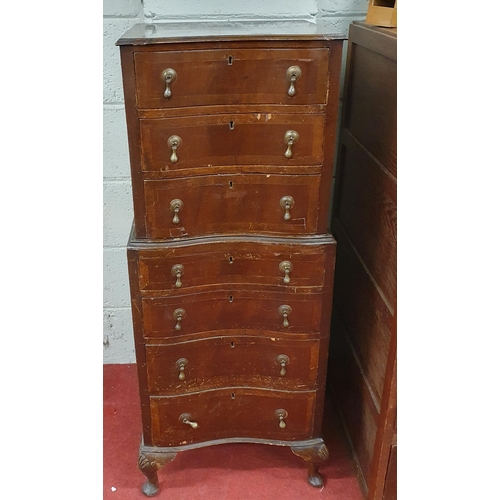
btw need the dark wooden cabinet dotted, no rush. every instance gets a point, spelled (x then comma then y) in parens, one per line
(362, 374)
(231, 260)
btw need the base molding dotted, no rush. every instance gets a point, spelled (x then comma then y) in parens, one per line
(153, 458)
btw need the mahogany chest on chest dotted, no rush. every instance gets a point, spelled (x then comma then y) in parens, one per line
(231, 135)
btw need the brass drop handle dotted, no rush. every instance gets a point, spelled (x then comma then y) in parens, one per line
(281, 415)
(286, 267)
(176, 206)
(287, 202)
(285, 311)
(181, 365)
(293, 74)
(185, 418)
(283, 360)
(168, 76)
(179, 315)
(178, 271)
(174, 143)
(291, 137)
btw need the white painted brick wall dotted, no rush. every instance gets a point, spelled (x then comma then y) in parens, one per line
(118, 215)
(118, 16)
(113, 28)
(338, 14)
(221, 9)
(122, 8)
(116, 164)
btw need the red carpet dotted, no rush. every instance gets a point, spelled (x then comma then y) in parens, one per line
(231, 471)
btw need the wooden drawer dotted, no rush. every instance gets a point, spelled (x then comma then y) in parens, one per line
(219, 312)
(232, 361)
(231, 139)
(231, 76)
(229, 204)
(177, 269)
(231, 413)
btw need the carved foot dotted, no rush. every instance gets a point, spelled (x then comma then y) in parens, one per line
(149, 463)
(314, 478)
(315, 454)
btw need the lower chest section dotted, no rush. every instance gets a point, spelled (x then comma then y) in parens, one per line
(231, 337)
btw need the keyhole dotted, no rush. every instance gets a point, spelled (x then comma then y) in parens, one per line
(230, 61)
(233, 395)
(231, 125)
(232, 345)
(230, 260)
(230, 298)
(230, 184)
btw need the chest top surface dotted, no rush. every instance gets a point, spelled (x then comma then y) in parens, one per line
(148, 34)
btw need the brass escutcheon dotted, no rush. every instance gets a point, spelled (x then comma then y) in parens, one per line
(174, 143)
(281, 415)
(293, 74)
(291, 137)
(283, 360)
(285, 311)
(181, 364)
(286, 267)
(185, 418)
(179, 315)
(287, 202)
(176, 206)
(177, 272)
(168, 76)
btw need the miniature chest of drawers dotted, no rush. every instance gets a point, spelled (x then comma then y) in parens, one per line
(231, 134)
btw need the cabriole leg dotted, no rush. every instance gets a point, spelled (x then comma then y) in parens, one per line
(149, 463)
(315, 454)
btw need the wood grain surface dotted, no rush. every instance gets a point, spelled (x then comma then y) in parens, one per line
(231, 76)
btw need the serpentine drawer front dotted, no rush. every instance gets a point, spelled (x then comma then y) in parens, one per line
(232, 204)
(220, 311)
(191, 366)
(223, 413)
(242, 139)
(232, 139)
(231, 76)
(195, 267)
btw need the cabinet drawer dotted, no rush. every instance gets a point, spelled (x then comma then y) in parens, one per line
(232, 361)
(176, 269)
(232, 203)
(219, 312)
(227, 76)
(237, 139)
(231, 413)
